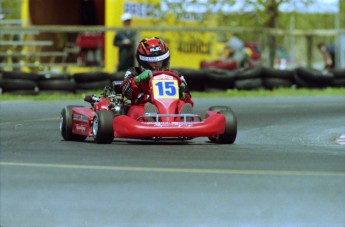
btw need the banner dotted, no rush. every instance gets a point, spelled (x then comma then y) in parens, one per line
(187, 48)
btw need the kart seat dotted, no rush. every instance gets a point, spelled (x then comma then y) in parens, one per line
(187, 109)
(152, 109)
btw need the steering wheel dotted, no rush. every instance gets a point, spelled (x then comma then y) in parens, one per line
(170, 73)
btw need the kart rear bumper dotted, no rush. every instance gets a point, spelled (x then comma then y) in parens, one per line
(126, 127)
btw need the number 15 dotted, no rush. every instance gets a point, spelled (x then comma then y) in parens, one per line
(166, 88)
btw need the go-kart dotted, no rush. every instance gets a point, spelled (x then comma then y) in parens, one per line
(164, 116)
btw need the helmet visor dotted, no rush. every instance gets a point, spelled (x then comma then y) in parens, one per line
(155, 58)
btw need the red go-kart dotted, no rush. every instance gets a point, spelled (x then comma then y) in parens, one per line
(165, 116)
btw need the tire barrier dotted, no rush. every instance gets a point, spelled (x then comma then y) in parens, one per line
(248, 84)
(195, 78)
(91, 81)
(249, 73)
(206, 79)
(339, 78)
(56, 85)
(338, 82)
(19, 82)
(313, 78)
(18, 86)
(93, 85)
(20, 75)
(249, 78)
(56, 82)
(117, 76)
(273, 83)
(275, 78)
(219, 79)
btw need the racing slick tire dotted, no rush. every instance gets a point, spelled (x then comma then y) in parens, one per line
(66, 125)
(102, 127)
(217, 109)
(230, 133)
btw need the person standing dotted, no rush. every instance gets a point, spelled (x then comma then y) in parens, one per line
(236, 51)
(328, 54)
(125, 41)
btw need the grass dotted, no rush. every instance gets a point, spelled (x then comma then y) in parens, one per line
(196, 94)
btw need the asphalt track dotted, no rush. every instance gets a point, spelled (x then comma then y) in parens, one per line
(285, 169)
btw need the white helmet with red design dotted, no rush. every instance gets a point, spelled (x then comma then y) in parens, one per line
(151, 50)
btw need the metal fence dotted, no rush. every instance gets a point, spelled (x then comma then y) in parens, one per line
(299, 47)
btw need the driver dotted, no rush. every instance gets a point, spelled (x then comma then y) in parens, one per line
(152, 55)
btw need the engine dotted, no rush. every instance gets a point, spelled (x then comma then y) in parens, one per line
(117, 103)
(115, 100)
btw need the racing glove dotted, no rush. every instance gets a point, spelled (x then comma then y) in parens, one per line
(143, 77)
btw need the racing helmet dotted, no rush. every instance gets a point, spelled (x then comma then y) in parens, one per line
(151, 50)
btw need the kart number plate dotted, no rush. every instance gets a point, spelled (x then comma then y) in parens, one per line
(165, 89)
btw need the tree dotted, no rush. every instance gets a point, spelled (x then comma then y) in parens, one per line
(269, 12)
(255, 13)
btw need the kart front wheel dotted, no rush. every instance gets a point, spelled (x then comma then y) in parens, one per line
(230, 132)
(102, 127)
(66, 121)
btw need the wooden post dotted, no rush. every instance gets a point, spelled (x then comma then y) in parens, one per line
(309, 39)
(341, 14)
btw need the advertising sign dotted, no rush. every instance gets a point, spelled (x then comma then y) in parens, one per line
(187, 48)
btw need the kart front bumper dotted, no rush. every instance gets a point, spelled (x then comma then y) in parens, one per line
(126, 127)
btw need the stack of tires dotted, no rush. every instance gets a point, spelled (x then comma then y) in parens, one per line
(117, 76)
(312, 78)
(338, 78)
(206, 79)
(219, 79)
(276, 78)
(19, 82)
(194, 77)
(91, 80)
(260, 77)
(56, 82)
(249, 78)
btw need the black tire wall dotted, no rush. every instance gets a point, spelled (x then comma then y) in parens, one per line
(197, 79)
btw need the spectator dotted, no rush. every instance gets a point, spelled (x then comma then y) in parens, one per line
(125, 41)
(328, 54)
(236, 55)
(236, 51)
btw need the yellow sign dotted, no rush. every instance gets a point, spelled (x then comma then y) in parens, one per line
(187, 48)
(165, 89)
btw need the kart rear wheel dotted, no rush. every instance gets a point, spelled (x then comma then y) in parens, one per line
(230, 133)
(102, 127)
(66, 120)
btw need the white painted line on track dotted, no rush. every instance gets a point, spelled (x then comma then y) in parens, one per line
(182, 170)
